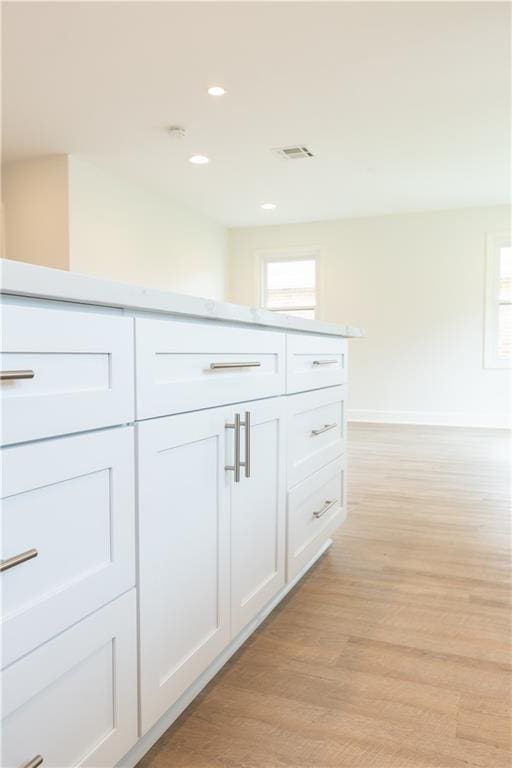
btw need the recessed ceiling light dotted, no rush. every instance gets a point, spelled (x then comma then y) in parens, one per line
(268, 206)
(198, 160)
(216, 90)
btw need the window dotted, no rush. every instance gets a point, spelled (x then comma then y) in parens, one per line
(498, 304)
(289, 284)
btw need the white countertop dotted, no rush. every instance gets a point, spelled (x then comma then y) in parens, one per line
(23, 279)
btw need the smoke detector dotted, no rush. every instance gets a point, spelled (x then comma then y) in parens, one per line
(176, 132)
(294, 153)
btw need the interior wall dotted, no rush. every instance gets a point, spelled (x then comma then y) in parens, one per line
(122, 231)
(69, 213)
(415, 283)
(35, 211)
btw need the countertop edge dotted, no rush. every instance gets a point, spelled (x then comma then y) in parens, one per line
(33, 281)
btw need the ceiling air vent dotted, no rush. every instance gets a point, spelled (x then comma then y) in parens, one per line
(294, 153)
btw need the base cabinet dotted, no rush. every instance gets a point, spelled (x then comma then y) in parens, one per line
(211, 545)
(184, 554)
(73, 701)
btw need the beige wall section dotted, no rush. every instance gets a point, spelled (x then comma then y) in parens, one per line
(69, 213)
(415, 282)
(35, 201)
(125, 232)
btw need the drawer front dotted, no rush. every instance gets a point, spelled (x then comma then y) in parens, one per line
(316, 508)
(313, 362)
(70, 500)
(183, 366)
(82, 366)
(316, 431)
(74, 700)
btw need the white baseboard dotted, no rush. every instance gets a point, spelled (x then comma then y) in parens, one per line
(151, 737)
(434, 419)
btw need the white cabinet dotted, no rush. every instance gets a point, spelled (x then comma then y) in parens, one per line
(316, 431)
(64, 371)
(186, 365)
(195, 522)
(313, 362)
(258, 513)
(68, 521)
(316, 507)
(73, 701)
(184, 554)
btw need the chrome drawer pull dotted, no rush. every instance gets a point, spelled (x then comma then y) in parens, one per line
(236, 466)
(323, 429)
(15, 375)
(35, 762)
(327, 506)
(11, 562)
(218, 366)
(325, 362)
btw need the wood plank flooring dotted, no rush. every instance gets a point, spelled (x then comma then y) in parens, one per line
(394, 651)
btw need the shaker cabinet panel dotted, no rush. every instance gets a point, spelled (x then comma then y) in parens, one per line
(68, 533)
(73, 701)
(184, 366)
(258, 511)
(313, 362)
(64, 371)
(184, 554)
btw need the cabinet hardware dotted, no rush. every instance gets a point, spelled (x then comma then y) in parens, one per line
(238, 423)
(327, 506)
(11, 562)
(325, 362)
(217, 366)
(15, 375)
(34, 763)
(236, 466)
(247, 424)
(325, 428)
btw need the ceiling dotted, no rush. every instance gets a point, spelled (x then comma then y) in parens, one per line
(406, 106)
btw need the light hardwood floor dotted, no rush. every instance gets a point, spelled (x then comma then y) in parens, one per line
(394, 651)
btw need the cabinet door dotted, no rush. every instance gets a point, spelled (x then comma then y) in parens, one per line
(258, 512)
(73, 701)
(184, 551)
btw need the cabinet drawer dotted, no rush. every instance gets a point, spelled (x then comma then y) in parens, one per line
(74, 700)
(316, 431)
(82, 366)
(71, 501)
(315, 509)
(313, 362)
(183, 366)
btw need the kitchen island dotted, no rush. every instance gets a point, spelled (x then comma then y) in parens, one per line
(172, 466)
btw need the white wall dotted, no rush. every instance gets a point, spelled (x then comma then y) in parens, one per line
(415, 283)
(35, 206)
(66, 212)
(125, 232)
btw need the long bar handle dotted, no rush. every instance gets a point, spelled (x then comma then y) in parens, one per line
(327, 506)
(325, 362)
(218, 366)
(34, 763)
(236, 466)
(11, 562)
(247, 463)
(16, 375)
(323, 429)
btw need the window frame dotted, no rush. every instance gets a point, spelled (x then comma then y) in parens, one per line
(495, 241)
(263, 257)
